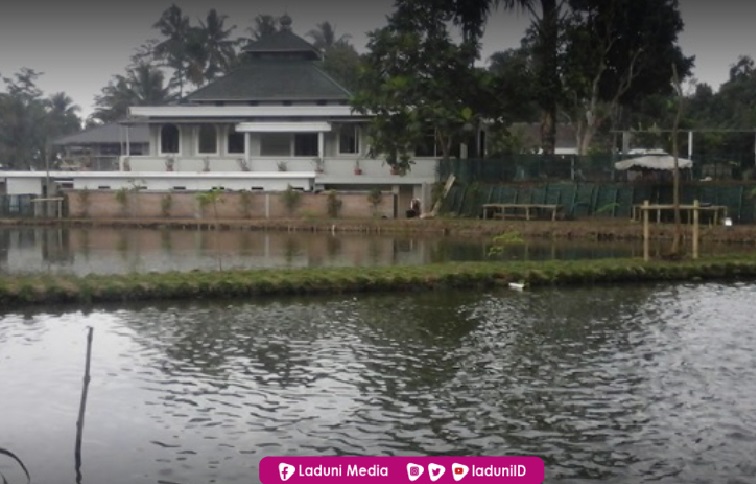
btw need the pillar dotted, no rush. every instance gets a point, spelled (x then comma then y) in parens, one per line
(247, 149)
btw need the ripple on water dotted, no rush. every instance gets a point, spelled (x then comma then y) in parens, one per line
(631, 384)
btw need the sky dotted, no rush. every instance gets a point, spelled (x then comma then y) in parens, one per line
(80, 44)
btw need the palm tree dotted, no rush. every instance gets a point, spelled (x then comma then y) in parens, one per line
(472, 16)
(220, 50)
(264, 26)
(62, 113)
(324, 36)
(174, 49)
(143, 85)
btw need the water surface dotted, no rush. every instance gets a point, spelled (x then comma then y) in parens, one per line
(616, 384)
(116, 251)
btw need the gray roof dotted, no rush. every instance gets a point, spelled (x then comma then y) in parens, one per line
(106, 133)
(272, 80)
(282, 41)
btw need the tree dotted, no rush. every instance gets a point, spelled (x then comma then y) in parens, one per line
(175, 49)
(143, 85)
(324, 36)
(30, 122)
(342, 62)
(219, 49)
(62, 118)
(471, 15)
(513, 93)
(417, 82)
(264, 25)
(616, 53)
(22, 121)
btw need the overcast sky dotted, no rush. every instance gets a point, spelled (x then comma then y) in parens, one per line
(79, 45)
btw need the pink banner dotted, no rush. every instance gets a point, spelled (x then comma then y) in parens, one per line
(379, 470)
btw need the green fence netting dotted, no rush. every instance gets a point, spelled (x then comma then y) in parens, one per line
(608, 199)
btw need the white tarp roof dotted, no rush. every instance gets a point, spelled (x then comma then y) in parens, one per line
(653, 162)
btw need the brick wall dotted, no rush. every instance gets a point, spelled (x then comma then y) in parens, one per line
(230, 205)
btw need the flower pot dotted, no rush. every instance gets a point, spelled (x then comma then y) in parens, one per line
(358, 171)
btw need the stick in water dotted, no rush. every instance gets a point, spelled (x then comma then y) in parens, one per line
(83, 406)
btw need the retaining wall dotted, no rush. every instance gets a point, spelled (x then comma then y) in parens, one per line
(230, 205)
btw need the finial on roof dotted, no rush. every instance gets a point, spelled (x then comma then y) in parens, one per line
(286, 21)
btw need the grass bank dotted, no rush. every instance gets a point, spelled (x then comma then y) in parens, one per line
(593, 228)
(35, 290)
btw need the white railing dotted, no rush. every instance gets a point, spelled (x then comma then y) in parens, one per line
(424, 169)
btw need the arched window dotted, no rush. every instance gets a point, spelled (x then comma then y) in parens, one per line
(170, 139)
(207, 139)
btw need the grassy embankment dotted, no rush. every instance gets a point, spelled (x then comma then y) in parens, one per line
(45, 289)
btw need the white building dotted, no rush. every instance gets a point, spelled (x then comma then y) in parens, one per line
(277, 112)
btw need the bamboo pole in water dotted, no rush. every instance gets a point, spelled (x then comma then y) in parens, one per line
(83, 406)
(695, 229)
(646, 255)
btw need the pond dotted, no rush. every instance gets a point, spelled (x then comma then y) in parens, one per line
(106, 251)
(624, 384)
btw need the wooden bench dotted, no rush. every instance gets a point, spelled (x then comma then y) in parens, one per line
(520, 210)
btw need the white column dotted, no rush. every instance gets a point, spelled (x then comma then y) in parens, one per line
(690, 145)
(321, 145)
(247, 149)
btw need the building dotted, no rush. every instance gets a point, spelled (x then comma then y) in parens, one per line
(277, 112)
(100, 148)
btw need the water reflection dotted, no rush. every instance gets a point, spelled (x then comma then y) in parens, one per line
(101, 250)
(620, 384)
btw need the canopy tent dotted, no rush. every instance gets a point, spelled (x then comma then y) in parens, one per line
(653, 162)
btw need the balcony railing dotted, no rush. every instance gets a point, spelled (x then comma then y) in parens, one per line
(332, 168)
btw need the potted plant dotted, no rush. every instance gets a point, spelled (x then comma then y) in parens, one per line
(357, 169)
(169, 162)
(282, 166)
(319, 165)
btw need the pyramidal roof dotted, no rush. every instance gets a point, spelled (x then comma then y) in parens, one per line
(283, 41)
(279, 67)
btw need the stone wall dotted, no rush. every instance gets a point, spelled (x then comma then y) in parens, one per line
(229, 205)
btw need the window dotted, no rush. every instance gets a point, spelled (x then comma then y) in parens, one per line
(235, 143)
(110, 150)
(170, 139)
(275, 144)
(207, 139)
(306, 144)
(348, 139)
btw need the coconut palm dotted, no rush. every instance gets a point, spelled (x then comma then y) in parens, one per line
(219, 49)
(62, 114)
(143, 85)
(174, 49)
(264, 25)
(324, 36)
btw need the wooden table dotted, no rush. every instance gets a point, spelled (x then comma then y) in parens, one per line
(719, 212)
(499, 210)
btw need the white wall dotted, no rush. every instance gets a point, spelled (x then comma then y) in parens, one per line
(191, 183)
(21, 186)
